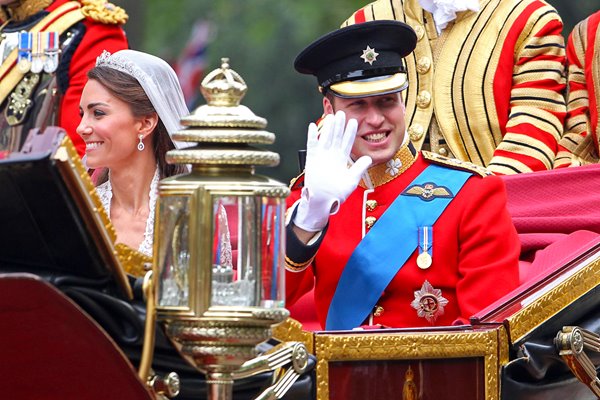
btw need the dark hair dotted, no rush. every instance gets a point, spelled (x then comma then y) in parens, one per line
(330, 96)
(127, 89)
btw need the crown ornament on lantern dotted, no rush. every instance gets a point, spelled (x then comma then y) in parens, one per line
(223, 86)
(223, 129)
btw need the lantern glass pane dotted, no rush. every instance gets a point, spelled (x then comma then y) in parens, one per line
(248, 251)
(173, 252)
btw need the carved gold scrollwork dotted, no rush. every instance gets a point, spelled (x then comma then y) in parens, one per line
(571, 342)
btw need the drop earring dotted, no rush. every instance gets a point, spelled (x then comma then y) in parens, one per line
(140, 145)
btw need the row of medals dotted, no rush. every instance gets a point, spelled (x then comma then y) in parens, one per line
(38, 52)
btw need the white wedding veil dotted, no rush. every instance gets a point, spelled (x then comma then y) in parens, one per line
(158, 80)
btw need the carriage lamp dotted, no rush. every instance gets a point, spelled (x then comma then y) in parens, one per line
(219, 240)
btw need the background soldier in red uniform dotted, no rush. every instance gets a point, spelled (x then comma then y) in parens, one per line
(46, 49)
(392, 236)
(486, 79)
(579, 145)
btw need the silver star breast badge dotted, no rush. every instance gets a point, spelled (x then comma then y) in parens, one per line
(429, 302)
(369, 55)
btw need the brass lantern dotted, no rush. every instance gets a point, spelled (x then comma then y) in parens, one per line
(219, 241)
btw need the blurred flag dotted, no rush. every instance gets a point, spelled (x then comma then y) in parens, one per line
(192, 61)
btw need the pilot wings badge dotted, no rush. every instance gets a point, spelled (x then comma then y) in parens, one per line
(428, 191)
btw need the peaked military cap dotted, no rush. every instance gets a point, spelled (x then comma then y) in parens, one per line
(360, 60)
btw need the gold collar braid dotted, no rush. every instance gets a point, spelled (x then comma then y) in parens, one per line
(20, 10)
(385, 172)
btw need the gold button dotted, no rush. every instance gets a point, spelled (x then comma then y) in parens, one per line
(420, 31)
(378, 311)
(424, 99)
(443, 151)
(416, 132)
(423, 65)
(370, 221)
(371, 205)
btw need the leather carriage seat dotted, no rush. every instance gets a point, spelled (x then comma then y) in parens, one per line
(51, 349)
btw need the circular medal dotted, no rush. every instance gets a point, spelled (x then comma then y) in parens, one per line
(424, 260)
(24, 65)
(37, 65)
(50, 64)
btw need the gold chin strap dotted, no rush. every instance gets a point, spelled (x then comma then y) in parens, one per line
(22, 9)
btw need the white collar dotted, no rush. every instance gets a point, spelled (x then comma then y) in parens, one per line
(444, 11)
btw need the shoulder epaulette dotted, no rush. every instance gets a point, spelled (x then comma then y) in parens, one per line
(297, 182)
(104, 12)
(456, 164)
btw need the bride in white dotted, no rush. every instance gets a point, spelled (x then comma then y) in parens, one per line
(130, 106)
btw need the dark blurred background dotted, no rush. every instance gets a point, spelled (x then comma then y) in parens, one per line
(261, 39)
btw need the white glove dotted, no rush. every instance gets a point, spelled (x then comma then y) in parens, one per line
(327, 179)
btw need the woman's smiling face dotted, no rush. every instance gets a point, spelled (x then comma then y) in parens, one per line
(107, 126)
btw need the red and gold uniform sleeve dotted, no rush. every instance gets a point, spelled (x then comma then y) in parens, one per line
(536, 105)
(579, 145)
(97, 37)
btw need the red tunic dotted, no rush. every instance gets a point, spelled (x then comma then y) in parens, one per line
(475, 252)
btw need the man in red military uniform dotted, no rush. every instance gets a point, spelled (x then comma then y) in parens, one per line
(579, 145)
(392, 236)
(486, 79)
(46, 49)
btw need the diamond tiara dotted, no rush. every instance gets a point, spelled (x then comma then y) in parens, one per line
(106, 59)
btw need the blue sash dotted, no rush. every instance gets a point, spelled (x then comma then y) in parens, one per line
(388, 244)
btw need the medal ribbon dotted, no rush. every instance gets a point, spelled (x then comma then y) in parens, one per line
(425, 240)
(25, 44)
(51, 52)
(37, 61)
(386, 247)
(52, 42)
